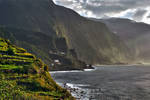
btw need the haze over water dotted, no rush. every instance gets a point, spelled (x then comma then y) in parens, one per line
(109, 82)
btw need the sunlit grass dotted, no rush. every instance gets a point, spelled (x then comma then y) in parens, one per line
(24, 77)
(10, 67)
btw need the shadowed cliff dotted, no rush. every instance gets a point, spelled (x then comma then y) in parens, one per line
(93, 41)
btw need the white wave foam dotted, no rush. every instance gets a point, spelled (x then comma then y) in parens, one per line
(65, 71)
(53, 72)
(89, 70)
(76, 85)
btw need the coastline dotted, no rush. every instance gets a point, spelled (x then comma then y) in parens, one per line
(94, 67)
(122, 65)
(68, 71)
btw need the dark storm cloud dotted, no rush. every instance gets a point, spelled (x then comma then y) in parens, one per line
(100, 8)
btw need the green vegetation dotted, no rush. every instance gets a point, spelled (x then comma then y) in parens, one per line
(24, 77)
(11, 67)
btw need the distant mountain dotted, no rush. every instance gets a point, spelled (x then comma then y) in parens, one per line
(92, 41)
(136, 35)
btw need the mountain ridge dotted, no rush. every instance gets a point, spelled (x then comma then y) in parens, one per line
(93, 42)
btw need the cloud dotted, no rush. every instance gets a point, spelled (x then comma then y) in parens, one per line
(146, 18)
(139, 14)
(133, 9)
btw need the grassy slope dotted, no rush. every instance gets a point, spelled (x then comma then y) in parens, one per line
(23, 76)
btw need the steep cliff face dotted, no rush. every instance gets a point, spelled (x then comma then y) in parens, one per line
(92, 40)
(135, 35)
(48, 48)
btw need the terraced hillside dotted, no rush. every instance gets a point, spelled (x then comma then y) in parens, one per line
(24, 77)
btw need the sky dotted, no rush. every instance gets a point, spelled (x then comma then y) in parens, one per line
(138, 10)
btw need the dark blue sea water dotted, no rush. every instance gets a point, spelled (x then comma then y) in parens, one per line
(108, 82)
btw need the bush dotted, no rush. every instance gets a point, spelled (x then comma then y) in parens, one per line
(10, 51)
